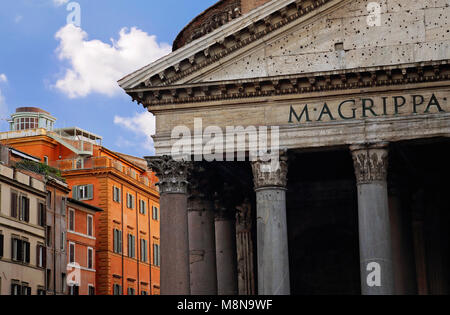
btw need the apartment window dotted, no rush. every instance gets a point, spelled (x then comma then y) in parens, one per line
(131, 291)
(90, 258)
(49, 235)
(144, 251)
(156, 255)
(1, 244)
(20, 250)
(90, 225)
(155, 214)
(41, 291)
(131, 246)
(117, 238)
(130, 201)
(46, 160)
(41, 214)
(142, 207)
(74, 290)
(91, 289)
(117, 289)
(16, 288)
(49, 199)
(63, 241)
(83, 192)
(14, 204)
(63, 206)
(144, 293)
(40, 256)
(63, 283)
(71, 253)
(24, 209)
(116, 194)
(26, 289)
(71, 220)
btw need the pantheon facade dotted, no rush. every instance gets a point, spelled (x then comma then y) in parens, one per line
(359, 94)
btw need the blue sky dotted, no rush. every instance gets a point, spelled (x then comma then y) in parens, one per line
(72, 72)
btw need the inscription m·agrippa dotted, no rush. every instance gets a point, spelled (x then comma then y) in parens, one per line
(368, 107)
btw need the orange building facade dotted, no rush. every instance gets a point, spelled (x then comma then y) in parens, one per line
(127, 230)
(81, 246)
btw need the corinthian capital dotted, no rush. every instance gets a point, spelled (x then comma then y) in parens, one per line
(371, 162)
(172, 174)
(264, 175)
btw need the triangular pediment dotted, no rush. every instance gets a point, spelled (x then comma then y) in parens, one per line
(288, 37)
(225, 42)
(343, 37)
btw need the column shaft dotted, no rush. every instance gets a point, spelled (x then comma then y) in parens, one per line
(272, 234)
(174, 245)
(174, 224)
(202, 248)
(374, 225)
(226, 256)
(273, 259)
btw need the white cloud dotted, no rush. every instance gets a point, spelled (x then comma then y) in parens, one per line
(143, 125)
(18, 19)
(3, 109)
(95, 66)
(3, 78)
(59, 3)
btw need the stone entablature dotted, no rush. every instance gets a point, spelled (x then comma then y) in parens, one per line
(387, 76)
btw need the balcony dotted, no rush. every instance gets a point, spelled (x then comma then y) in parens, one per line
(101, 163)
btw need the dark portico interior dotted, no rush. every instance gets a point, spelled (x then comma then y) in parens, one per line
(322, 214)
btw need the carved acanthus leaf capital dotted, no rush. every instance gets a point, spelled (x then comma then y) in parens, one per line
(173, 175)
(265, 174)
(370, 162)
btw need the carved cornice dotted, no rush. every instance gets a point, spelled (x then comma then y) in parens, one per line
(370, 162)
(294, 84)
(264, 178)
(172, 174)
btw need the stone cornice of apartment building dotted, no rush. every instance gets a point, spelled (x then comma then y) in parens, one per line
(13, 182)
(105, 172)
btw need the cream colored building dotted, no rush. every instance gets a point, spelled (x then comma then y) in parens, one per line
(22, 233)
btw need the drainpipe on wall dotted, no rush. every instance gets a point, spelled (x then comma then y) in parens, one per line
(123, 280)
(138, 243)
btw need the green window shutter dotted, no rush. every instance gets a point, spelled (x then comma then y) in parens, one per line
(90, 189)
(120, 242)
(116, 241)
(75, 192)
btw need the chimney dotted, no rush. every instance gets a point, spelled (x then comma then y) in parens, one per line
(248, 5)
